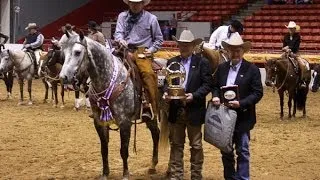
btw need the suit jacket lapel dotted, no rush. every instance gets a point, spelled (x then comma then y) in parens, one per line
(193, 64)
(242, 70)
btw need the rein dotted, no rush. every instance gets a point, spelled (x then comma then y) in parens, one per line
(284, 80)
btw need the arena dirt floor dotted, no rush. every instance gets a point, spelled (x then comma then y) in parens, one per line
(43, 142)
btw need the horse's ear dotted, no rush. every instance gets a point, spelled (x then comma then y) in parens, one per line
(1, 47)
(81, 35)
(67, 34)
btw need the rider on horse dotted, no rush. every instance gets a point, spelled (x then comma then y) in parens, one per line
(95, 34)
(139, 28)
(291, 44)
(64, 38)
(33, 43)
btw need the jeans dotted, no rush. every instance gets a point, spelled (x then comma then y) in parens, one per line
(241, 141)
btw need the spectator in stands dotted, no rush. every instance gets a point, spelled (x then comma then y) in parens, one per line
(5, 37)
(174, 25)
(279, 1)
(33, 43)
(223, 33)
(139, 28)
(303, 1)
(67, 28)
(95, 34)
(166, 30)
(291, 45)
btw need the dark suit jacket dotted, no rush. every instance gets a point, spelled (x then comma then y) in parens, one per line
(250, 92)
(293, 44)
(199, 83)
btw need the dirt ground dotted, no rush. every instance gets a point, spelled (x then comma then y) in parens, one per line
(43, 142)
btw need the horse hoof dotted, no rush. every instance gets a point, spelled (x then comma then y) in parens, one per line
(104, 177)
(62, 106)
(152, 171)
(45, 101)
(30, 103)
(55, 106)
(20, 103)
(9, 97)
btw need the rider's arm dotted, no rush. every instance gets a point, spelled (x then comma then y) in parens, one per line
(213, 38)
(38, 42)
(157, 35)
(119, 32)
(296, 45)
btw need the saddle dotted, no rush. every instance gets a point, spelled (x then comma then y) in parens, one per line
(32, 56)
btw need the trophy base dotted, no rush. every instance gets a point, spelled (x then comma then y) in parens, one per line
(176, 93)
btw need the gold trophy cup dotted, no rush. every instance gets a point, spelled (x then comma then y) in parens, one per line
(175, 80)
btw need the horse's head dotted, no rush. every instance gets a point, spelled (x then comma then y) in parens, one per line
(6, 62)
(271, 71)
(76, 58)
(316, 78)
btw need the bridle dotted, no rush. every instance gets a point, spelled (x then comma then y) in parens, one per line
(275, 70)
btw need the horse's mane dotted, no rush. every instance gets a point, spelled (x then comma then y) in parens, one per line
(92, 45)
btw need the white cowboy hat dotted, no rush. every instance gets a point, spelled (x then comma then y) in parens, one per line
(187, 37)
(31, 26)
(236, 41)
(146, 2)
(291, 24)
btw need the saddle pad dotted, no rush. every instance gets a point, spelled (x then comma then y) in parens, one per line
(219, 127)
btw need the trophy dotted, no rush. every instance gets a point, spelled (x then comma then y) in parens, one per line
(175, 80)
(230, 93)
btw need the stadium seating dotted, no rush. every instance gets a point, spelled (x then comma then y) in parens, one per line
(266, 27)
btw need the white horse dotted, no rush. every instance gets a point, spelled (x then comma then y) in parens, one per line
(23, 65)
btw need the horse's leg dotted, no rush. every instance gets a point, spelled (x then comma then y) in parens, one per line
(21, 91)
(29, 90)
(76, 101)
(62, 94)
(46, 92)
(281, 94)
(155, 132)
(10, 82)
(55, 91)
(294, 104)
(290, 103)
(125, 129)
(103, 133)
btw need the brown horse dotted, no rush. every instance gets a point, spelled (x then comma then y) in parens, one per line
(50, 67)
(215, 57)
(280, 74)
(316, 78)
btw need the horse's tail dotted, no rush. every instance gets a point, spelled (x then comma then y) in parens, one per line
(164, 131)
(301, 97)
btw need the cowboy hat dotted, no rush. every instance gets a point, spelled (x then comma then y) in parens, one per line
(187, 37)
(291, 24)
(236, 41)
(93, 25)
(31, 26)
(145, 2)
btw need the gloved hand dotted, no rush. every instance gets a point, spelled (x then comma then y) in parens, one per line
(26, 45)
(123, 43)
(54, 41)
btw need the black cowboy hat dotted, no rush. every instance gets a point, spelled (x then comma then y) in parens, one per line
(237, 26)
(93, 25)
(67, 27)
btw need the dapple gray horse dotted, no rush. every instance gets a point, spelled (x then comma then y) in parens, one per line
(105, 70)
(24, 67)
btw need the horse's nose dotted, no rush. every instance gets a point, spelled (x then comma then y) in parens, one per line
(268, 83)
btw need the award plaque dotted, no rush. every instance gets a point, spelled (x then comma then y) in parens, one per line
(175, 80)
(229, 93)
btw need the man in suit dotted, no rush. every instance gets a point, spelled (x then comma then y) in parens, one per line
(238, 71)
(188, 113)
